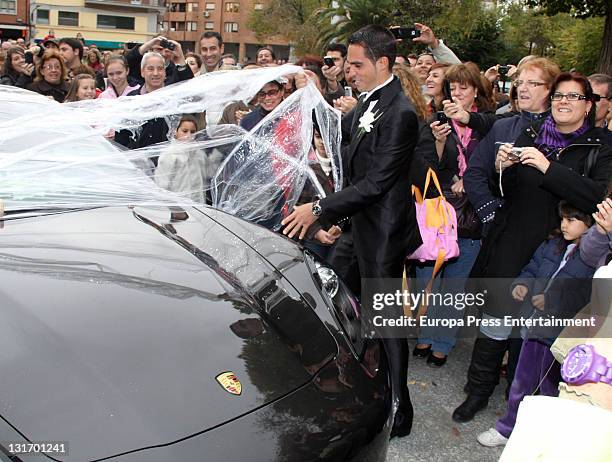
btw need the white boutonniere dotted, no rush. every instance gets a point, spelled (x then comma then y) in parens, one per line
(368, 119)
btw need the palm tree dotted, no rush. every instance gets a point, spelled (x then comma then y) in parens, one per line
(343, 17)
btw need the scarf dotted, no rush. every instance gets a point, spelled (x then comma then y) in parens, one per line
(463, 142)
(551, 140)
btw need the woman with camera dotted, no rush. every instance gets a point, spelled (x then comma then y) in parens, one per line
(454, 144)
(16, 71)
(562, 157)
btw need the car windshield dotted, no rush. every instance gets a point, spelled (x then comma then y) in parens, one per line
(61, 157)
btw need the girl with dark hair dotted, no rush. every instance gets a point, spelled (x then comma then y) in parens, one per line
(543, 290)
(15, 71)
(434, 86)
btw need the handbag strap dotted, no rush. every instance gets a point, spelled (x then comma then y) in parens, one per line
(431, 175)
(422, 310)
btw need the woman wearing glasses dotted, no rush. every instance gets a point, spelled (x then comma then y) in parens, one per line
(50, 77)
(268, 98)
(562, 157)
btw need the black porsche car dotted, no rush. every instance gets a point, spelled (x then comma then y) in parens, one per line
(161, 333)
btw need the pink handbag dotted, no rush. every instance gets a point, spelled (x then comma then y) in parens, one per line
(437, 222)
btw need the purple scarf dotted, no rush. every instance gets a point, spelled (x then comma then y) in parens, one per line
(552, 140)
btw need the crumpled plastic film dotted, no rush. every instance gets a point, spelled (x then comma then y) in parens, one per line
(61, 156)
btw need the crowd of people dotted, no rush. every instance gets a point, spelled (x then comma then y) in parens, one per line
(523, 153)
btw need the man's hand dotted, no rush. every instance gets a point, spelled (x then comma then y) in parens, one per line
(299, 221)
(148, 45)
(331, 74)
(519, 292)
(427, 36)
(177, 54)
(328, 237)
(538, 302)
(345, 103)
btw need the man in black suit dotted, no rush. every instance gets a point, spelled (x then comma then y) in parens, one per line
(381, 133)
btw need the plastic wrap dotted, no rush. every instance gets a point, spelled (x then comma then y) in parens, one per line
(61, 156)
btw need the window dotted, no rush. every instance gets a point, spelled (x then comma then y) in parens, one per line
(178, 7)
(259, 6)
(115, 22)
(192, 6)
(42, 16)
(210, 6)
(209, 25)
(232, 7)
(177, 25)
(67, 18)
(8, 6)
(231, 27)
(192, 26)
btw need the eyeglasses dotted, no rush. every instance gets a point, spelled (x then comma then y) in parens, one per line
(571, 96)
(263, 94)
(52, 68)
(529, 83)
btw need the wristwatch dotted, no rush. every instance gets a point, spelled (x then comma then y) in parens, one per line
(317, 210)
(584, 365)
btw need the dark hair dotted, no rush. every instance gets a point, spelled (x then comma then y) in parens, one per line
(585, 85)
(266, 48)
(74, 87)
(566, 210)
(319, 73)
(310, 60)
(8, 65)
(73, 43)
(339, 47)
(212, 34)
(188, 118)
(603, 79)
(196, 56)
(377, 42)
(469, 74)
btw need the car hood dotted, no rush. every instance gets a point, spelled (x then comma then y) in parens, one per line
(117, 321)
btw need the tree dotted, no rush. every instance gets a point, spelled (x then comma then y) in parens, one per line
(291, 19)
(339, 22)
(586, 9)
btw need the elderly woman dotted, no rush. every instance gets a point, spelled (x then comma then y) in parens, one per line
(454, 145)
(50, 77)
(93, 59)
(15, 71)
(562, 158)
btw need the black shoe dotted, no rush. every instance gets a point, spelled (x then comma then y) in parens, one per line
(421, 352)
(402, 424)
(466, 411)
(435, 361)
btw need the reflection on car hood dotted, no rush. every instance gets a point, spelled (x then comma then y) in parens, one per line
(116, 321)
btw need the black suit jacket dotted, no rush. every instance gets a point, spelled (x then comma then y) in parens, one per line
(377, 193)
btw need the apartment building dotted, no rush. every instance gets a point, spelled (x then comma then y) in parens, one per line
(186, 20)
(14, 22)
(106, 23)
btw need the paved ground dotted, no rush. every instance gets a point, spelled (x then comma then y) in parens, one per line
(435, 393)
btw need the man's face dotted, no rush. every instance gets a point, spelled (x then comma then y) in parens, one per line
(338, 60)
(211, 52)
(264, 57)
(167, 54)
(229, 61)
(603, 105)
(21, 43)
(69, 54)
(154, 73)
(361, 70)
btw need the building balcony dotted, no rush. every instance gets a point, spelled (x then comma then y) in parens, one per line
(150, 6)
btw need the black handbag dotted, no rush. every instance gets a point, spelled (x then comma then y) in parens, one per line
(468, 223)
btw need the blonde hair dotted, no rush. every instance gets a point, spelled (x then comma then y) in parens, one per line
(412, 89)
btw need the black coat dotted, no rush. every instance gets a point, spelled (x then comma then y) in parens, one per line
(377, 194)
(529, 213)
(58, 92)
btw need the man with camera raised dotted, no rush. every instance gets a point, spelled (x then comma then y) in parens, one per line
(177, 69)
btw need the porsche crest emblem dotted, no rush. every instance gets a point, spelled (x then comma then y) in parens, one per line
(229, 382)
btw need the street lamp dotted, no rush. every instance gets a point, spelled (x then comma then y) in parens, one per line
(32, 11)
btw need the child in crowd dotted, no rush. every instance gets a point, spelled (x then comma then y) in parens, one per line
(552, 284)
(186, 170)
(82, 87)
